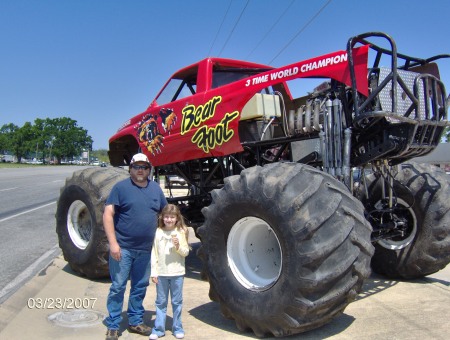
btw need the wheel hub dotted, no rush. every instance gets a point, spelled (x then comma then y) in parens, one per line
(404, 219)
(254, 253)
(79, 224)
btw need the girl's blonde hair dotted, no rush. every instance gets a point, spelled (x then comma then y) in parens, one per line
(180, 225)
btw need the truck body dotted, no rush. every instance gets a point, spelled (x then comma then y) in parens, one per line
(206, 104)
(295, 199)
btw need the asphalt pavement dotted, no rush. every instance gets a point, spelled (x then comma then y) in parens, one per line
(59, 304)
(27, 221)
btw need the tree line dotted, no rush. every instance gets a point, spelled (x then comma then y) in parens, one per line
(56, 138)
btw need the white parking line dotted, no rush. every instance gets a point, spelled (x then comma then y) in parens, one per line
(27, 211)
(8, 189)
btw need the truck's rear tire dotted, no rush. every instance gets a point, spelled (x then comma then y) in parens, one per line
(79, 223)
(286, 248)
(423, 199)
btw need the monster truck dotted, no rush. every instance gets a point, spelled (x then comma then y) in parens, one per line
(294, 200)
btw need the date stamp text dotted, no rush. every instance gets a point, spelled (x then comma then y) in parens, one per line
(61, 303)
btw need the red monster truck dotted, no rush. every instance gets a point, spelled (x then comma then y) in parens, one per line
(295, 200)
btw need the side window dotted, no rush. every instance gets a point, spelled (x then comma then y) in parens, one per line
(177, 89)
(221, 78)
(186, 89)
(225, 75)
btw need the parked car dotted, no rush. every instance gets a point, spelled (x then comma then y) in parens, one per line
(7, 158)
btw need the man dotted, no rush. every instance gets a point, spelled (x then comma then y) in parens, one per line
(130, 220)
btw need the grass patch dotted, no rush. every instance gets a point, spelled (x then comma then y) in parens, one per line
(18, 165)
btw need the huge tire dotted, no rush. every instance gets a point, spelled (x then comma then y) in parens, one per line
(423, 202)
(79, 219)
(285, 248)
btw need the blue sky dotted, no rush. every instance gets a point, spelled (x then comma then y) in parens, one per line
(102, 62)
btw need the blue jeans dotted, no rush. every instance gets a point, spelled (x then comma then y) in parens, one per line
(135, 265)
(174, 284)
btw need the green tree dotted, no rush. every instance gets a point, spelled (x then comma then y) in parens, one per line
(42, 131)
(22, 140)
(6, 134)
(66, 138)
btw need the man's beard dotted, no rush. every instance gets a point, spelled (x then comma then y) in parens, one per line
(138, 178)
(141, 178)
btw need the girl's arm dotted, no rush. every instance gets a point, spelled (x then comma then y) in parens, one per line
(183, 249)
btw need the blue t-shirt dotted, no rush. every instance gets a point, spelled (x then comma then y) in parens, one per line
(136, 212)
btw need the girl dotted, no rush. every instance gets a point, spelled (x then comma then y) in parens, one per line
(170, 248)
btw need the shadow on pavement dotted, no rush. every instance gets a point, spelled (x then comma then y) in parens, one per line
(426, 280)
(375, 284)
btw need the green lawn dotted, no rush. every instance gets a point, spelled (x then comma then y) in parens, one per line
(18, 165)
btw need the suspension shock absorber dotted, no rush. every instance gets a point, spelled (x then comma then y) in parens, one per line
(328, 138)
(347, 151)
(337, 127)
(323, 147)
(388, 181)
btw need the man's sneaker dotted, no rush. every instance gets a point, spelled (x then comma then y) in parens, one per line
(112, 334)
(153, 336)
(179, 335)
(140, 329)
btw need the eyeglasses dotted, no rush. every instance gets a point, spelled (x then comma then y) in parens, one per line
(140, 167)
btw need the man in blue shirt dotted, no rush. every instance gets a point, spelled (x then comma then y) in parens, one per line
(130, 220)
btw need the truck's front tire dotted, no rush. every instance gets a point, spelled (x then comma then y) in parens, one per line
(286, 248)
(79, 219)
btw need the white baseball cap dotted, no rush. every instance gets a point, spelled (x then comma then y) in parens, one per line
(139, 157)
